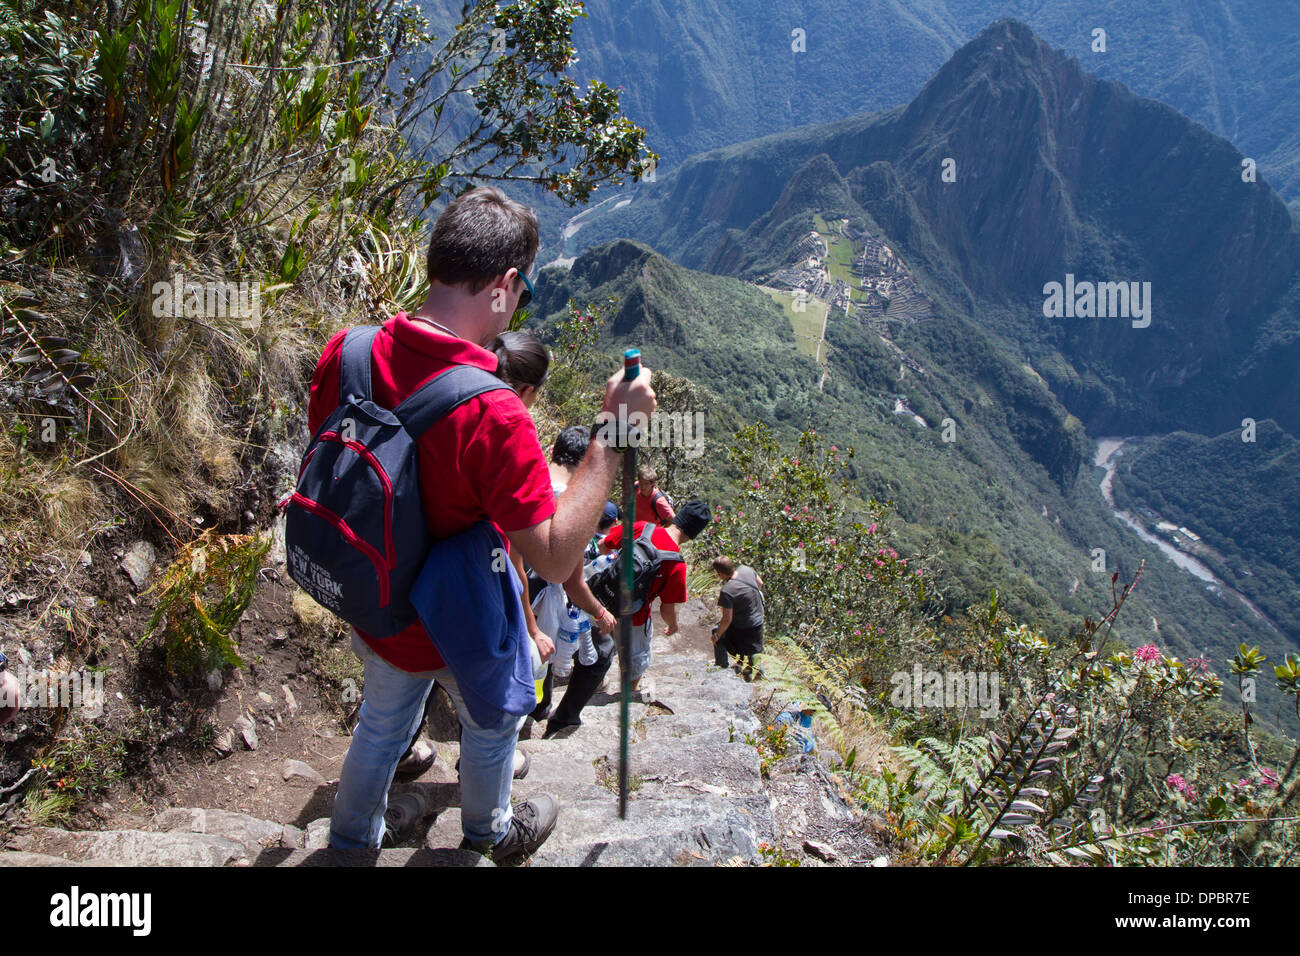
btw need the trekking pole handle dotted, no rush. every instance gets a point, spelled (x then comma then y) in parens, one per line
(631, 364)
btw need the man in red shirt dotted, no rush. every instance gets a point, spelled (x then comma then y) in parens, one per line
(669, 586)
(651, 503)
(481, 461)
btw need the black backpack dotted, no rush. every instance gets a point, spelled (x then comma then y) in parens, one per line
(647, 558)
(355, 531)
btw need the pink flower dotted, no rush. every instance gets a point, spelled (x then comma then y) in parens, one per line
(1199, 665)
(1176, 781)
(786, 509)
(805, 508)
(756, 484)
(872, 529)
(1269, 778)
(1147, 653)
(857, 630)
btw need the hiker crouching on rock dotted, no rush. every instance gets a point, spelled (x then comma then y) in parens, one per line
(740, 631)
(480, 461)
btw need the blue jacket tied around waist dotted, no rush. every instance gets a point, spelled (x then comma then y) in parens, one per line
(467, 597)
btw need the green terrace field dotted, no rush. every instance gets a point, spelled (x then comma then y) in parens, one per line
(843, 252)
(807, 324)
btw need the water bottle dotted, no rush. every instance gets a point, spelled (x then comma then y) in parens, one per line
(566, 643)
(539, 668)
(586, 647)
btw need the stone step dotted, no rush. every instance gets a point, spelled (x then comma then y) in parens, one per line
(138, 847)
(402, 856)
(659, 832)
(251, 833)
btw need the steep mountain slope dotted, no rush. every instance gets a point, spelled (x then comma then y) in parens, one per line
(1086, 180)
(985, 467)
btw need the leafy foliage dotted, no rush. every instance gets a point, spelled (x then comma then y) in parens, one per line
(201, 598)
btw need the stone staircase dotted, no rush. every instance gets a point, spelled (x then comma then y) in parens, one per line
(697, 794)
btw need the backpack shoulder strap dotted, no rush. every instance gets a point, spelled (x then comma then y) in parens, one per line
(442, 393)
(664, 556)
(354, 363)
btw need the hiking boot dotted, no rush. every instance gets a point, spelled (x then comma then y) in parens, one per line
(522, 763)
(404, 813)
(530, 825)
(416, 763)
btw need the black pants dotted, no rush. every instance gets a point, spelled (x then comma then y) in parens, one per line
(583, 682)
(744, 644)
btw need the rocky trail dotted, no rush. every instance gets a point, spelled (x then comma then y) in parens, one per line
(262, 794)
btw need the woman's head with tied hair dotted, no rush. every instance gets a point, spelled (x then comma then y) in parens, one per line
(522, 363)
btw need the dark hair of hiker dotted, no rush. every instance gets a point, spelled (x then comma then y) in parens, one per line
(724, 566)
(479, 236)
(522, 359)
(571, 446)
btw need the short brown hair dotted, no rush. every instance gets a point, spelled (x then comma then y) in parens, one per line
(724, 566)
(647, 474)
(479, 236)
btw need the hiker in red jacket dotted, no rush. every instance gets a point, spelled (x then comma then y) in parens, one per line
(669, 586)
(480, 461)
(651, 503)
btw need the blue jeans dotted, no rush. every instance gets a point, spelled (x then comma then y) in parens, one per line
(390, 711)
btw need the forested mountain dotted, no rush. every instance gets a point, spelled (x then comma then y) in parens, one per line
(931, 234)
(989, 473)
(1055, 174)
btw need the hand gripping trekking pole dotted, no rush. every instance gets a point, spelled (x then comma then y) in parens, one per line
(631, 370)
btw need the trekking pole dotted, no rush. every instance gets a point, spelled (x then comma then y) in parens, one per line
(631, 370)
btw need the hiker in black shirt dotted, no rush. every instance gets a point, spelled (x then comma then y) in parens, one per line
(741, 630)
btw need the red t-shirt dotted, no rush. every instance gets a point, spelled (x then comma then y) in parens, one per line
(482, 460)
(655, 508)
(669, 584)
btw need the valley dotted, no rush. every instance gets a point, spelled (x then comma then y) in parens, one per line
(1177, 543)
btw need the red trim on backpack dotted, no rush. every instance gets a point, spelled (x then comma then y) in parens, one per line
(365, 547)
(365, 453)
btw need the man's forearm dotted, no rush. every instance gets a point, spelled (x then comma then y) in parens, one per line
(576, 588)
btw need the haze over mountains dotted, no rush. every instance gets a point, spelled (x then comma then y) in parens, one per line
(699, 74)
